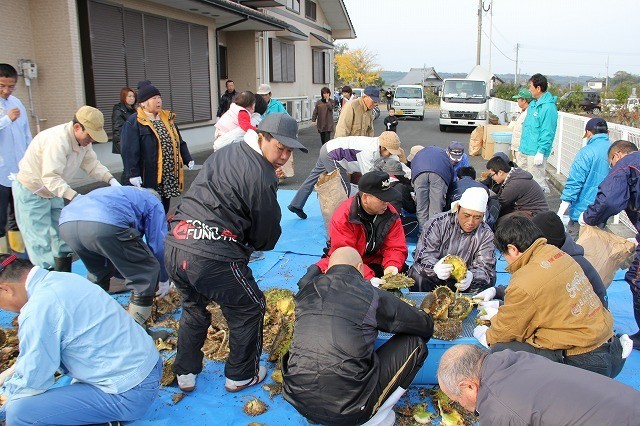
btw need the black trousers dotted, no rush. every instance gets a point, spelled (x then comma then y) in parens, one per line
(606, 360)
(107, 250)
(231, 285)
(325, 137)
(7, 212)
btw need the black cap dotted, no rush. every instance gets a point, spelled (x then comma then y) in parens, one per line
(552, 228)
(596, 125)
(284, 128)
(378, 184)
(146, 90)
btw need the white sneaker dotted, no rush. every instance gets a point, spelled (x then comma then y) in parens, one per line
(187, 382)
(238, 385)
(627, 345)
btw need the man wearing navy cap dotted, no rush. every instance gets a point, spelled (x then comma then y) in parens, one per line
(588, 169)
(370, 224)
(355, 118)
(458, 158)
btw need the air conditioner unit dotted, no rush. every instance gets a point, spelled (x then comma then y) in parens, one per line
(306, 110)
(297, 110)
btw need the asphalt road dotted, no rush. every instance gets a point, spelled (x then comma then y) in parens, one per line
(411, 131)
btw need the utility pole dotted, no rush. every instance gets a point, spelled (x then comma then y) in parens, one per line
(606, 83)
(515, 79)
(490, 31)
(479, 32)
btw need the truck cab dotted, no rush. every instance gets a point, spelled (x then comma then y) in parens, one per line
(463, 102)
(408, 101)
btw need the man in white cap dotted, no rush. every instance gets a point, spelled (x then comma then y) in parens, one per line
(461, 232)
(273, 105)
(52, 159)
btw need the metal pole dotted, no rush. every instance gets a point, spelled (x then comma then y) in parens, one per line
(490, 31)
(515, 79)
(479, 32)
(606, 84)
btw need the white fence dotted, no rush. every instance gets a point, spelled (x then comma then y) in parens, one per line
(568, 140)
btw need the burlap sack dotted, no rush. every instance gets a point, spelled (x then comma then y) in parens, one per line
(288, 167)
(475, 141)
(607, 252)
(330, 194)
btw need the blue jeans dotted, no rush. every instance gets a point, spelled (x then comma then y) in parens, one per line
(82, 404)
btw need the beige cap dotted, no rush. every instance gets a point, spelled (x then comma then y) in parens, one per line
(93, 122)
(390, 141)
(264, 89)
(414, 150)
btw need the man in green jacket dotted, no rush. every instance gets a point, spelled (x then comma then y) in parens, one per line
(539, 129)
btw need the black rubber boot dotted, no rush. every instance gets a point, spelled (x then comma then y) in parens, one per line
(140, 311)
(636, 313)
(62, 264)
(105, 284)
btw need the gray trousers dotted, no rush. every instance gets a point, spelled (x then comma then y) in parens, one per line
(431, 193)
(105, 249)
(323, 165)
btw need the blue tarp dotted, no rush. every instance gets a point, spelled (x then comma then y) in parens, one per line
(301, 245)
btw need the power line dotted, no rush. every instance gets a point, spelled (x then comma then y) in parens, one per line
(559, 49)
(494, 45)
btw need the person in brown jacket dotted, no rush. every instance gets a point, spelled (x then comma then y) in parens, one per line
(550, 308)
(355, 117)
(323, 115)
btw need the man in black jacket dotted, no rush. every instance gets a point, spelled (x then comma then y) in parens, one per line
(230, 210)
(332, 374)
(227, 98)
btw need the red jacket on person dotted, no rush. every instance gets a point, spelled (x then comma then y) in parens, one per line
(348, 230)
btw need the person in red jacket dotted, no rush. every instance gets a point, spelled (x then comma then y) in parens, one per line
(371, 225)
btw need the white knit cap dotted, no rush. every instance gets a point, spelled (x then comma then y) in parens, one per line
(474, 198)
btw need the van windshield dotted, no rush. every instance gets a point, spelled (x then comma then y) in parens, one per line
(466, 91)
(409, 93)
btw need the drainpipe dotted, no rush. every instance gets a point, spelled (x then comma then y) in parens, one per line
(224, 27)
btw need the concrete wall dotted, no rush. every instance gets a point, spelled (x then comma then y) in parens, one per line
(241, 60)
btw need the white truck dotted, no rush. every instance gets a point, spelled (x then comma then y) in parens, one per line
(408, 101)
(465, 101)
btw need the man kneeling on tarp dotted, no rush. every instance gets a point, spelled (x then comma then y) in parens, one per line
(332, 374)
(68, 324)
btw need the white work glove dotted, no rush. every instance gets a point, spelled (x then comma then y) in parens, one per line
(563, 208)
(114, 182)
(191, 164)
(7, 373)
(393, 270)
(466, 282)
(490, 312)
(376, 282)
(442, 270)
(136, 181)
(490, 304)
(163, 288)
(480, 333)
(486, 295)
(581, 221)
(538, 159)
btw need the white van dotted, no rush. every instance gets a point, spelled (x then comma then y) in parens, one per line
(408, 101)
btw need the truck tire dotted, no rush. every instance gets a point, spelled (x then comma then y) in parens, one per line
(596, 111)
(421, 117)
(443, 128)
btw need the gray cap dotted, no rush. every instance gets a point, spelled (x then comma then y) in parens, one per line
(389, 165)
(282, 127)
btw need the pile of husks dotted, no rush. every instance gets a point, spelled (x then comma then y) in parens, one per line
(8, 347)
(448, 310)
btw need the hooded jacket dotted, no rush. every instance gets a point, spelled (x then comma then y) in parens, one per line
(618, 191)
(520, 192)
(539, 128)
(523, 389)
(231, 207)
(383, 243)
(332, 367)
(443, 236)
(550, 304)
(588, 170)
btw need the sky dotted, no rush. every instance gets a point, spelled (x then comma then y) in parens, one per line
(556, 37)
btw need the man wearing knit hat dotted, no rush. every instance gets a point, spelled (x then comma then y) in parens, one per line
(352, 154)
(52, 159)
(461, 232)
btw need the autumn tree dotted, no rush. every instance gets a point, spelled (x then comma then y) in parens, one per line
(357, 67)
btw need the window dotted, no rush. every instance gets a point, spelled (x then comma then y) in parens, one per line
(310, 10)
(122, 46)
(222, 61)
(293, 5)
(282, 61)
(321, 62)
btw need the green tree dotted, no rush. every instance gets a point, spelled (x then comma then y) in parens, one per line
(622, 92)
(505, 91)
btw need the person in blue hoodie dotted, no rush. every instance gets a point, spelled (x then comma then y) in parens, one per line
(619, 191)
(539, 130)
(588, 169)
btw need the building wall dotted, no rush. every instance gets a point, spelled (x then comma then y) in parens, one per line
(241, 58)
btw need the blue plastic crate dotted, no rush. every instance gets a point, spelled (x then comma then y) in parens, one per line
(428, 373)
(501, 137)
